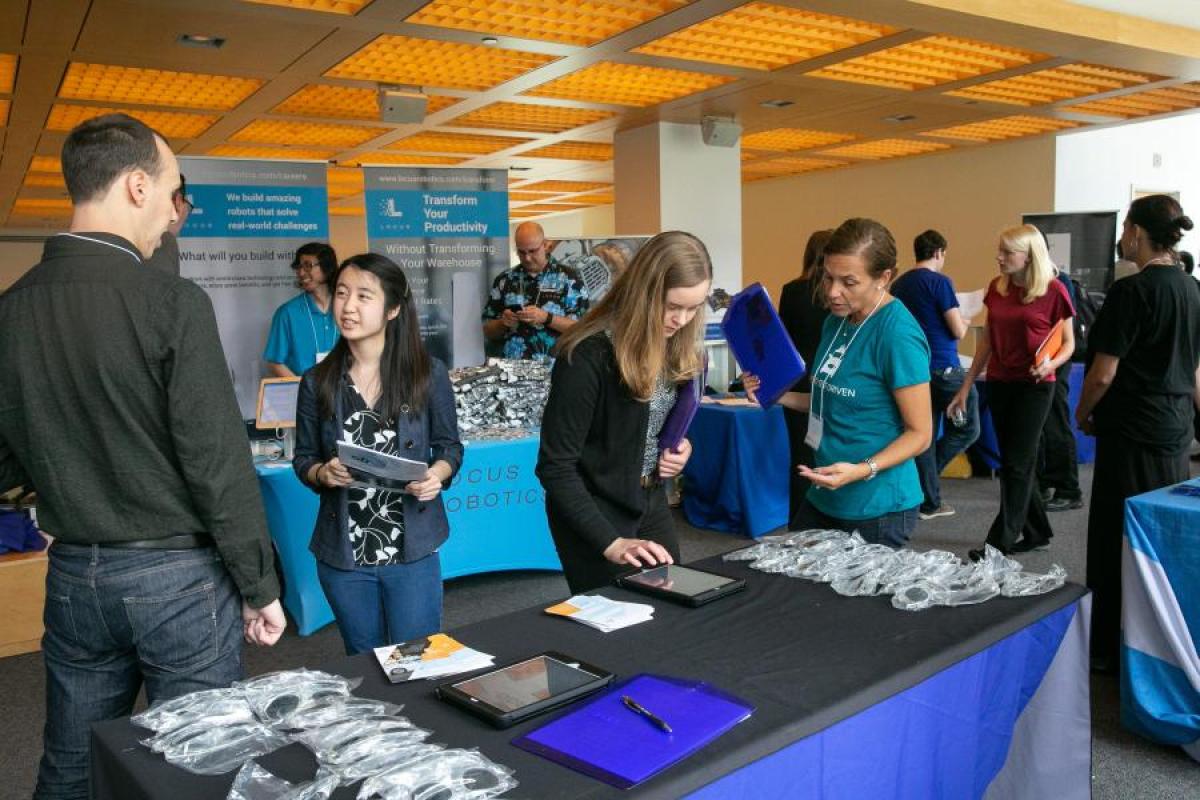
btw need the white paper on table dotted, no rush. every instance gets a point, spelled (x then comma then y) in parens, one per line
(970, 304)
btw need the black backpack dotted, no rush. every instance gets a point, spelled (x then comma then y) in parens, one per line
(1087, 306)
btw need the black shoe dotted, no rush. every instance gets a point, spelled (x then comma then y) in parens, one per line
(1026, 546)
(975, 555)
(1047, 495)
(1064, 504)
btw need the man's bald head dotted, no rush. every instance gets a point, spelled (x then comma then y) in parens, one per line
(530, 241)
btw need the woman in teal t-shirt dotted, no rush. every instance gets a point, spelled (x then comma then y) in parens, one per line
(869, 408)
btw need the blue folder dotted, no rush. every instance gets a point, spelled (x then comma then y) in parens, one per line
(605, 740)
(761, 344)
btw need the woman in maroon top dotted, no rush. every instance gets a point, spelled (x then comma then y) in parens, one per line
(1024, 303)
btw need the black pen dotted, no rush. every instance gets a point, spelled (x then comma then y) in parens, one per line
(642, 711)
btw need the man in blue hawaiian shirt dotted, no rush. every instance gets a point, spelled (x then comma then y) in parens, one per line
(535, 301)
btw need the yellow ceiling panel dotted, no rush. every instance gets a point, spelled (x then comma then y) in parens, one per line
(347, 211)
(574, 151)
(578, 22)
(560, 187)
(172, 124)
(525, 117)
(344, 175)
(306, 134)
(41, 206)
(522, 213)
(403, 159)
(44, 180)
(1143, 104)
(994, 130)
(886, 148)
(790, 165)
(8, 72)
(155, 87)
(277, 153)
(439, 142)
(3, 113)
(549, 208)
(330, 6)
(927, 62)
(345, 102)
(601, 199)
(1055, 84)
(786, 139)
(423, 62)
(628, 84)
(45, 164)
(764, 36)
(526, 197)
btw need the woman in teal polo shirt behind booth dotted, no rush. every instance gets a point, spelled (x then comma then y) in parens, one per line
(868, 411)
(303, 330)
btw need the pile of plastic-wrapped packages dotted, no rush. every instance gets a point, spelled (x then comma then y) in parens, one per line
(503, 399)
(353, 738)
(914, 580)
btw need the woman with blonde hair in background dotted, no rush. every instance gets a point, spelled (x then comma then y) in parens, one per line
(614, 381)
(1024, 303)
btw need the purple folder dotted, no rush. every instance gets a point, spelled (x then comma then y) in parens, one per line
(605, 740)
(761, 344)
(679, 418)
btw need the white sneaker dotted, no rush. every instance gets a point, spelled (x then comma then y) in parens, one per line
(941, 511)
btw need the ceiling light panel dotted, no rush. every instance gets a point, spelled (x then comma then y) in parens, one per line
(347, 211)
(994, 130)
(927, 62)
(573, 151)
(41, 206)
(526, 197)
(601, 199)
(886, 148)
(44, 180)
(792, 165)
(786, 139)
(1055, 84)
(306, 134)
(403, 159)
(560, 187)
(172, 124)
(578, 22)
(438, 142)
(343, 182)
(45, 164)
(279, 153)
(8, 72)
(764, 36)
(525, 117)
(3, 113)
(522, 213)
(329, 6)
(1143, 104)
(550, 208)
(155, 87)
(345, 102)
(628, 84)
(423, 62)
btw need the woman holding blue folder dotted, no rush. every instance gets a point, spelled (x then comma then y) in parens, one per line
(616, 379)
(869, 405)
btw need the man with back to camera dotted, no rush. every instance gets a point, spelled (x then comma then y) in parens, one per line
(929, 296)
(117, 407)
(535, 301)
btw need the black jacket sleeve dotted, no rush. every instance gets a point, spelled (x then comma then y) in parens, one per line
(308, 431)
(444, 444)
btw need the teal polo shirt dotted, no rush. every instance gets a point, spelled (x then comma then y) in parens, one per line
(299, 330)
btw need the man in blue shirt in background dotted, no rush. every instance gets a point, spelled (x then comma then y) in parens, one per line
(929, 297)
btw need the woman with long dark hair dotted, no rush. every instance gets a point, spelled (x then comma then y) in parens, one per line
(615, 380)
(303, 330)
(376, 548)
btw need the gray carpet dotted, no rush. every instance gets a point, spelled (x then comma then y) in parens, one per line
(1124, 766)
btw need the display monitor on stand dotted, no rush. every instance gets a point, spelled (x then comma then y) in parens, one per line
(277, 410)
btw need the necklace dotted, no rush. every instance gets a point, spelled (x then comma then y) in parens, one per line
(1164, 260)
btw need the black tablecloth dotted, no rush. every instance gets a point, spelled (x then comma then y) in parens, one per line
(803, 655)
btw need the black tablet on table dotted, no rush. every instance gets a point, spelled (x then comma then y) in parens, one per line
(685, 585)
(518, 691)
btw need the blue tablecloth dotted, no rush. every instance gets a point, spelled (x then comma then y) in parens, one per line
(737, 478)
(496, 509)
(1160, 618)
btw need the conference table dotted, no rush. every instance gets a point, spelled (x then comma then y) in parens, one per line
(853, 699)
(495, 506)
(1160, 617)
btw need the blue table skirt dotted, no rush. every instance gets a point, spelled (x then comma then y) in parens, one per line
(737, 478)
(496, 508)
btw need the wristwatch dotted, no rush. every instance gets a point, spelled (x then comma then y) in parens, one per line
(549, 319)
(873, 466)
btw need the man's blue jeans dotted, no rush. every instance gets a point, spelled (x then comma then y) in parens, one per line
(943, 385)
(116, 618)
(377, 606)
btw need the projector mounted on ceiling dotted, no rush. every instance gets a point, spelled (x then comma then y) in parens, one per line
(402, 104)
(720, 131)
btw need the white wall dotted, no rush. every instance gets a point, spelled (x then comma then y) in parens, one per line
(1097, 170)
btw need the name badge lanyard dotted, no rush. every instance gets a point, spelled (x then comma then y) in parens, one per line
(313, 325)
(838, 366)
(136, 257)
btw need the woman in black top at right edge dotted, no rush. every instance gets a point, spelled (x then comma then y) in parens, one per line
(615, 379)
(1138, 397)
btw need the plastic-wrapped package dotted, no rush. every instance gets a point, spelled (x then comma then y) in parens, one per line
(452, 775)
(751, 553)
(348, 749)
(224, 705)
(334, 710)
(915, 595)
(860, 575)
(997, 564)
(328, 741)
(385, 757)
(213, 750)
(1024, 584)
(277, 695)
(975, 589)
(255, 783)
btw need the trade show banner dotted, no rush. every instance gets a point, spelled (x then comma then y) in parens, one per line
(248, 218)
(448, 231)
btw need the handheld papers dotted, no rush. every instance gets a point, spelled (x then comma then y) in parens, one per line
(970, 304)
(761, 344)
(434, 656)
(1050, 347)
(371, 469)
(601, 613)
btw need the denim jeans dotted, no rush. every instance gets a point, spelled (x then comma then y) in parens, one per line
(892, 529)
(376, 606)
(943, 385)
(116, 618)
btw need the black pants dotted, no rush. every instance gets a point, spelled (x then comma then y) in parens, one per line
(797, 428)
(1058, 462)
(1123, 469)
(585, 568)
(1019, 413)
